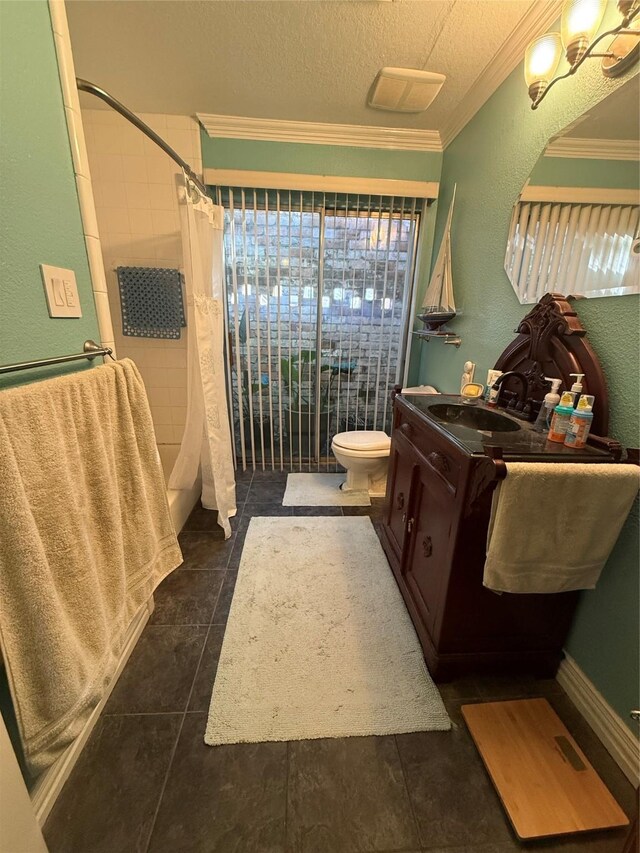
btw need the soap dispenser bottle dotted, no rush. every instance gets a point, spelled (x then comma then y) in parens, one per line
(561, 417)
(576, 388)
(580, 422)
(549, 403)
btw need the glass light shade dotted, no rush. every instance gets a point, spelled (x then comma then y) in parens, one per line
(541, 60)
(580, 22)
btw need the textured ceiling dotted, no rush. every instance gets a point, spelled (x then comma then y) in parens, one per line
(305, 60)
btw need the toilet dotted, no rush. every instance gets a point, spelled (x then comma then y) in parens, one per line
(365, 454)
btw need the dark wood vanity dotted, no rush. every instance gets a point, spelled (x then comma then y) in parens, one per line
(440, 485)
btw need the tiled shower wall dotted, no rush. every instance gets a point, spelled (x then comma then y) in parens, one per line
(139, 223)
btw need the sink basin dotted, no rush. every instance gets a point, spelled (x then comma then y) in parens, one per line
(467, 416)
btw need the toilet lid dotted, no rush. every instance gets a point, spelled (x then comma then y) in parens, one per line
(363, 439)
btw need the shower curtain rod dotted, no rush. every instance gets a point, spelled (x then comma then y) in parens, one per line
(92, 89)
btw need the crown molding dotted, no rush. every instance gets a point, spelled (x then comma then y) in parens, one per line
(321, 183)
(534, 23)
(320, 133)
(594, 149)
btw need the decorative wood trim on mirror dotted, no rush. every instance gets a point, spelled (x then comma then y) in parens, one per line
(552, 342)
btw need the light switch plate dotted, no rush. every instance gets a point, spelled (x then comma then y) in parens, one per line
(61, 291)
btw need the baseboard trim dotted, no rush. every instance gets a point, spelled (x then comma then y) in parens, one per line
(50, 784)
(616, 737)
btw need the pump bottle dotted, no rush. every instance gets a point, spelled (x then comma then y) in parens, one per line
(549, 403)
(576, 388)
(580, 422)
(561, 417)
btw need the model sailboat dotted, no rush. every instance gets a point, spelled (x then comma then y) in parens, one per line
(439, 306)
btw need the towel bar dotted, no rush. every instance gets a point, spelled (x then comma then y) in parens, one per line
(90, 350)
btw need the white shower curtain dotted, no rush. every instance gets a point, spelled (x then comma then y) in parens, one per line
(206, 442)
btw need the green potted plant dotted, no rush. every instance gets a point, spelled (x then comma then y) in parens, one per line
(300, 376)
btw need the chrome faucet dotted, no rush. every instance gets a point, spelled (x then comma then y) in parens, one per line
(523, 380)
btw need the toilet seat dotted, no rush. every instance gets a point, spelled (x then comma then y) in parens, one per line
(363, 441)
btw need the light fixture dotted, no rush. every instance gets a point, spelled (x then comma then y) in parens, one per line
(580, 22)
(541, 62)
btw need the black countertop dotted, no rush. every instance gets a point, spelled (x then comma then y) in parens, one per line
(524, 444)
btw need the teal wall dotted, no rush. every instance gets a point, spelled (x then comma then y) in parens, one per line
(490, 160)
(583, 172)
(307, 158)
(39, 210)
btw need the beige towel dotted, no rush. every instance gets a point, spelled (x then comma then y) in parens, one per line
(86, 537)
(553, 525)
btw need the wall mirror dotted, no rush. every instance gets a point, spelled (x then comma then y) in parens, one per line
(575, 226)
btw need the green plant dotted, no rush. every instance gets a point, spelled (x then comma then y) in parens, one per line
(300, 376)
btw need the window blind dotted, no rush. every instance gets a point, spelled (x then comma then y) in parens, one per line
(318, 290)
(580, 249)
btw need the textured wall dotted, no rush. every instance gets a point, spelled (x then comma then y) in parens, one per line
(490, 161)
(39, 215)
(585, 172)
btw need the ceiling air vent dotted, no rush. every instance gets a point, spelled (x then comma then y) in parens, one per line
(405, 90)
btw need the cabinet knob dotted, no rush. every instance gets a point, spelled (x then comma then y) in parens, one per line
(427, 546)
(407, 429)
(400, 500)
(439, 461)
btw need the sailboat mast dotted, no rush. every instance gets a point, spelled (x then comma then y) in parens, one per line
(439, 295)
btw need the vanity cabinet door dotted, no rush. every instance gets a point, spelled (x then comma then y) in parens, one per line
(402, 463)
(430, 543)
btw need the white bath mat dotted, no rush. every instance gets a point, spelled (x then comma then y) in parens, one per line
(319, 642)
(321, 490)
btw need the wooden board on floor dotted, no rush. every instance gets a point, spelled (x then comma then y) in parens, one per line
(546, 784)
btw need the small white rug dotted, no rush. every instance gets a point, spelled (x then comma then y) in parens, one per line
(319, 642)
(321, 490)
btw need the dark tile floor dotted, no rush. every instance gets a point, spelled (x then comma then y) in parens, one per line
(146, 782)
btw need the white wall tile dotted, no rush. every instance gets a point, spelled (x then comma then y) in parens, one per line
(160, 168)
(137, 195)
(162, 197)
(107, 140)
(109, 168)
(141, 222)
(175, 358)
(179, 122)
(164, 433)
(178, 396)
(158, 396)
(175, 377)
(114, 220)
(180, 141)
(168, 250)
(161, 414)
(134, 168)
(105, 117)
(158, 377)
(113, 195)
